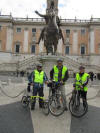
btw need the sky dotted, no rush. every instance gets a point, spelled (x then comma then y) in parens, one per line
(68, 9)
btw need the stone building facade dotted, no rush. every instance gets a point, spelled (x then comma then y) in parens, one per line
(18, 37)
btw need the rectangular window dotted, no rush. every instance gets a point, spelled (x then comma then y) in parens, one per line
(82, 50)
(17, 48)
(33, 49)
(18, 30)
(99, 48)
(0, 45)
(82, 31)
(33, 30)
(67, 31)
(0, 27)
(67, 50)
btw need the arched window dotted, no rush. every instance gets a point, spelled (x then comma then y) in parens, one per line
(83, 49)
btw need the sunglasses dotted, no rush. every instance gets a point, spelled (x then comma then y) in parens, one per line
(39, 66)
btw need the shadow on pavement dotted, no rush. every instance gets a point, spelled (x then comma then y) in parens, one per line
(15, 119)
(90, 123)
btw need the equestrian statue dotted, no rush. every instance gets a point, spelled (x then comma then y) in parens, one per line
(52, 32)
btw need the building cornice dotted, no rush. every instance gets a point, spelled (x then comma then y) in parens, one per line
(41, 21)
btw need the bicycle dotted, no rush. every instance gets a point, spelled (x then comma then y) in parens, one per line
(56, 102)
(28, 100)
(75, 105)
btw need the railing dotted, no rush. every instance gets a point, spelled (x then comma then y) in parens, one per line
(5, 16)
(30, 19)
(43, 20)
(56, 54)
(74, 21)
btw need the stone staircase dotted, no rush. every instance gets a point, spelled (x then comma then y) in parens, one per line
(71, 64)
(31, 62)
(20, 65)
(28, 63)
(74, 65)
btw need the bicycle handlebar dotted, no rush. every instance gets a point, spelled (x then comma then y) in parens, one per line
(79, 86)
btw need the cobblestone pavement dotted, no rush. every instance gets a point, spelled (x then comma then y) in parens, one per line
(15, 119)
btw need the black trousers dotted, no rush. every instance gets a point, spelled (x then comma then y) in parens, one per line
(39, 92)
(83, 94)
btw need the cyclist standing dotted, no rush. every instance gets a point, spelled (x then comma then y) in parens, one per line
(81, 82)
(37, 79)
(59, 73)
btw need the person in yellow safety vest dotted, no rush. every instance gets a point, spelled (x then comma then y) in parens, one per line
(37, 79)
(81, 82)
(59, 73)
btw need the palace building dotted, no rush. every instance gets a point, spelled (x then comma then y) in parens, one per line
(18, 36)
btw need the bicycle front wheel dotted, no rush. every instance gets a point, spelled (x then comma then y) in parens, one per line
(56, 105)
(77, 111)
(25, 101)
(45, 108)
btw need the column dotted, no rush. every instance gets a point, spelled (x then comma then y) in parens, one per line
(25, 47)
(41, 46)
(75, 43)
(9, 40)
(59, 46)
(91, 42)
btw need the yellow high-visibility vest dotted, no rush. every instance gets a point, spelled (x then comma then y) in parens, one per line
(81, 80)
(56, 72)
(38, 76)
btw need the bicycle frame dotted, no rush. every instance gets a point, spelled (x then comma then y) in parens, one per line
(32, 97)
(54, 99)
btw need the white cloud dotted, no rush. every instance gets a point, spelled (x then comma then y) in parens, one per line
(22, 8)
(82, 9)
(67, 8)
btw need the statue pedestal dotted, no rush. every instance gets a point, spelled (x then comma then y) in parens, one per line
(48, 62)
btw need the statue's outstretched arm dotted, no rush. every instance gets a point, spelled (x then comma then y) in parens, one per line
(40, 14)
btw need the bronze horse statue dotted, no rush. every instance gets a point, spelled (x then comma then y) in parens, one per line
(51, 33)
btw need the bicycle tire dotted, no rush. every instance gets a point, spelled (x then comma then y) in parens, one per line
(76, 115)
(51, 111)
(45, 108)
(24, 101)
